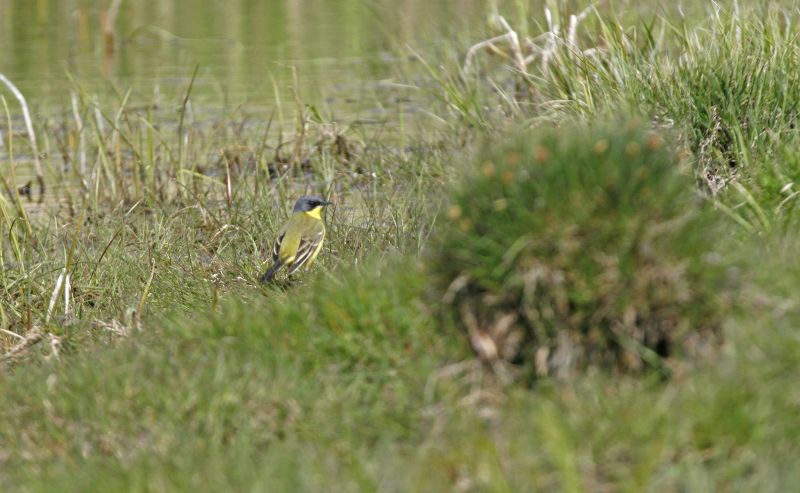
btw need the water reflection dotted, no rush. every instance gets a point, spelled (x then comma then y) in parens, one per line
(257, 61)
(246, 49)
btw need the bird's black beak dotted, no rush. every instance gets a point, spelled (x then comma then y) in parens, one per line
(327, 202)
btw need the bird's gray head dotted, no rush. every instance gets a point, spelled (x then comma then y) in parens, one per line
(309, 203)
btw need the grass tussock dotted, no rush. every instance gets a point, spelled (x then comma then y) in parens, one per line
(581, 246)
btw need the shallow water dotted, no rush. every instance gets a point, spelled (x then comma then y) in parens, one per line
(333, 52)
(256, 60)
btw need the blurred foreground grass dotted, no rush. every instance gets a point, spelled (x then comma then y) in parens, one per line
(165, 367)
(354, 387)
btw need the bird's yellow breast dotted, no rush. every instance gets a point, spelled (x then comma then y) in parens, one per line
(315, 212)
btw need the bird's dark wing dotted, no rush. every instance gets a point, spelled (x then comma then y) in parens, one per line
(276, 248)
(277, 263)
(307, 250)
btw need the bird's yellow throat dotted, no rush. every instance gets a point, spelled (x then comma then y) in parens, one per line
(315, 212)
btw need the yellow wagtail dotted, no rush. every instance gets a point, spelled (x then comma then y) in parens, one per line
(300, 240)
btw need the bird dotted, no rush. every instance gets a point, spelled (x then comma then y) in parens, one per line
(300, 240)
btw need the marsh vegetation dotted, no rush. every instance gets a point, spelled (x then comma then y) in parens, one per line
(562, 255)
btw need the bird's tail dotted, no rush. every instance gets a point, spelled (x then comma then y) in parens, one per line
(267, 277)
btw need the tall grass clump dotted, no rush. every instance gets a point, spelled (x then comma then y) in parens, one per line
(725, 78)
(575, 62)
(581, 245)
(733, 91)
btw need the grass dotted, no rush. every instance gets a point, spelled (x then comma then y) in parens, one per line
(142, 222)
(723, 81)
(593, 250)
(140, 354)
(239, 385)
